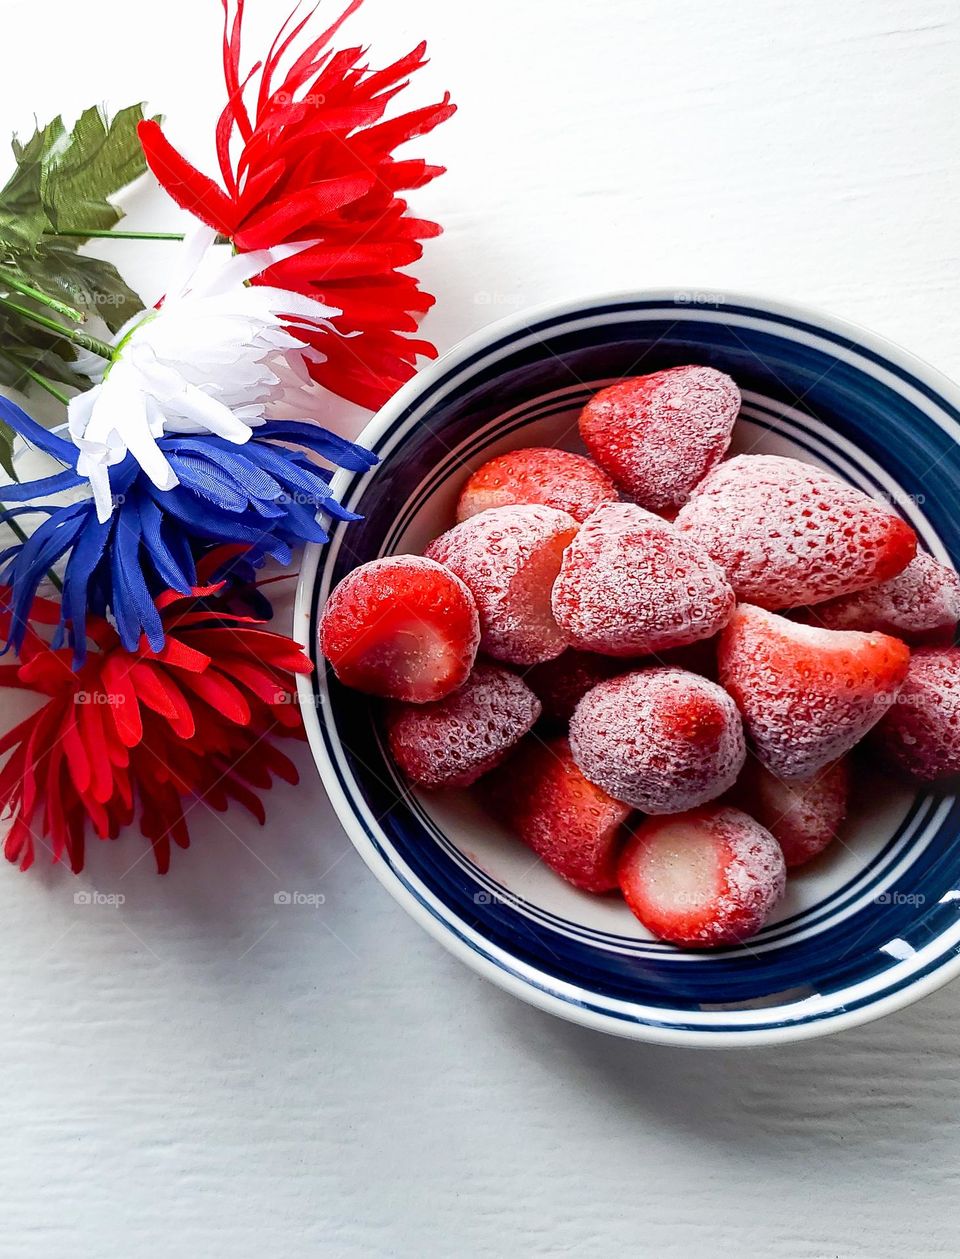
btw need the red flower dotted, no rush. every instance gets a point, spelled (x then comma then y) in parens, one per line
(314, 163)
(142, 732)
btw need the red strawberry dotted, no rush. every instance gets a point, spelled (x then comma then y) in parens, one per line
(921, 605)
(920, 733)
(803, 815)
(568, 822)
(560, 684)
(458, 739)
(788, 533)
(402, 627)
(509, 557)
(631, 585)
(807, 695)
(554, 478)
(658, 435)
(662, 740)
(707, 877)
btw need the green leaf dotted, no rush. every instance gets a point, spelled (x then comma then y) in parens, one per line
(63, 183)
(7, 436)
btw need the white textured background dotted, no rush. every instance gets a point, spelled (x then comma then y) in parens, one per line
(200, 1073)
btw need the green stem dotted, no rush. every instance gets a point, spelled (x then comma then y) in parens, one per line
(35, 376)
(108, 233)
(18, 532)
(83, 339)
(12, 282)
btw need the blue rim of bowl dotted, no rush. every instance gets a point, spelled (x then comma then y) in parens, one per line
(918, 975)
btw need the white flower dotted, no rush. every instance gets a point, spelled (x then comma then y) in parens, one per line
(214, 358)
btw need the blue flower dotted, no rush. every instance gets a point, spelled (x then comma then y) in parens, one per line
(264, 495)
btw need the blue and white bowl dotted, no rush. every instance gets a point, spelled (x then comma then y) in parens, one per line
(870, 927)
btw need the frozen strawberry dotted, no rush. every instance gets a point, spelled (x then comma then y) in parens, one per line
(788, 533)
(711, 876)
(554, 478)
(509, 557)
(920, 734)
(560, 684)
(662, 740)
(658, 435)
(921, 605)
(573, 826)
(807, 695)
(453, 742)
(402, 627)
(804, 815)
(630, 585)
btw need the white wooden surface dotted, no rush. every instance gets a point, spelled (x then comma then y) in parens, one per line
(202, 1073)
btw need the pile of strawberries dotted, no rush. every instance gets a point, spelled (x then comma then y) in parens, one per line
(665, 658)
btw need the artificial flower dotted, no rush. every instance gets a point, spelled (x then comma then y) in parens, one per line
(310, 158)
(264, 495)
(138, 734)
(212, 358)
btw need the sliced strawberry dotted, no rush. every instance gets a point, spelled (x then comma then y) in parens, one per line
(631, 585)
(553, 478)
(453, 742)
(804, 815)
(662, 740)
(711, 876)
(509, 557)
(403, 627)
(560, 684)
(788, 533)
(920, 734)
(658, 435)
(807, 695)
(573, 826)
(921, 605)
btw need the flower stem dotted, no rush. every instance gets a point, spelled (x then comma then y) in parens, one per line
(107, 233)
(83, 339)
(34, 376)
(19, 286)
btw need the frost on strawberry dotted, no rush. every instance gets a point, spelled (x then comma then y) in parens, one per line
(807, 695)
(920, 734)
(708, 877)
(658, 435)
(455, 741)
(789, 534)
(632, 585)
(662, 740)
(804, 815)
(552, 478)
(509, 558)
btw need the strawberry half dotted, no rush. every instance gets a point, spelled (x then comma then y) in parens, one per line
(553, 478)
(658, 435)
(807, 695)
(788, 533)
(707, 877)
(573, 826)
(402, 627)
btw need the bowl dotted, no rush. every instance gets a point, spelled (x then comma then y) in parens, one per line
(869, 927)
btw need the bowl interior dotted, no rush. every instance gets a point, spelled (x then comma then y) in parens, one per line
(871, 921)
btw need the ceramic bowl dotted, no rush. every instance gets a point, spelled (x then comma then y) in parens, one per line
(868, 928)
